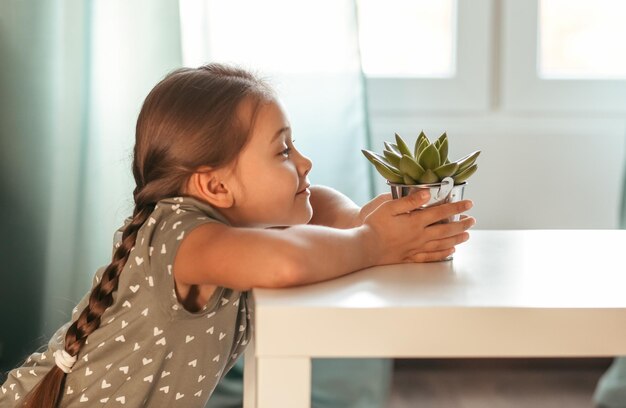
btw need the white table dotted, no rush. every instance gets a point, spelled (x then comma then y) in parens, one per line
(505, 294)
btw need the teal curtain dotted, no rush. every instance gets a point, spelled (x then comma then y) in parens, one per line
(73, 76)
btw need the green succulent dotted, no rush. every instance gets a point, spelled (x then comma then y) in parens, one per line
(426, 163)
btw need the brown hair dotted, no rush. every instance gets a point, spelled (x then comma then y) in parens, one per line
(192, 118)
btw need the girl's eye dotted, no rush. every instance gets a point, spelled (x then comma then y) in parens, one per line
(286, 152)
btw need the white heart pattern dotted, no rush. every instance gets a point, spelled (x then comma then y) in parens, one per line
(105, 384)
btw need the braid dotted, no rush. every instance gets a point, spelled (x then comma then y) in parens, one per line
(47, 392)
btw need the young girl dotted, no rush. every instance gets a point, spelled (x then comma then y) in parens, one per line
(218, 181)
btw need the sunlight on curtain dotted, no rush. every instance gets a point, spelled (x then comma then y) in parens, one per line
(408, 38)
(309, 52)
(103, 75)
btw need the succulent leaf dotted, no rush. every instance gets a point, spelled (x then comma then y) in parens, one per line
(446, 170)
(393, 148)
(410, 167)
(376, 158)
(428, 177)
(406, 179)
(422, 137)
(429, 158)
(441, 138)
(392, 157)
(464, 175)
(388, 174)
(423, 145)
(467, 161)
(443, 150)
(402, 146)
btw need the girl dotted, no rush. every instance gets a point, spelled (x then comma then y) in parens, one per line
(218, 181)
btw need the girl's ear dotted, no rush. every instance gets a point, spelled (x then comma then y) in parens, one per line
(208, 185)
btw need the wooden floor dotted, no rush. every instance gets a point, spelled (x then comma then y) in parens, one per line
(510, 383)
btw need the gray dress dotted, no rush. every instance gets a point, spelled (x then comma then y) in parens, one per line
(149, 350)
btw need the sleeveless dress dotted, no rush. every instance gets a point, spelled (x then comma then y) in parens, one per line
(149, 350)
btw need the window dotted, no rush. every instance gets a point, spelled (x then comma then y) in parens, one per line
(564, 56)
(570, 35)
(455, 77)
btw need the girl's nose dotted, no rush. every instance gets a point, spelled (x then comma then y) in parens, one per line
(304, 165)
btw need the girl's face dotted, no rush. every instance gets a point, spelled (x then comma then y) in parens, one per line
(269, 182)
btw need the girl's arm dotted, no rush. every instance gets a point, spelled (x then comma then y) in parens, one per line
(243, 258)
(333, 209)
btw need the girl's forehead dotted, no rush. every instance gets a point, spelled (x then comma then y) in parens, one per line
(271, 117)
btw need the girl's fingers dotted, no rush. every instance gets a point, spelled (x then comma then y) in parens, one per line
(430, 256)
(409, 203)
(446, 243)
(431, 215)
(440, 231)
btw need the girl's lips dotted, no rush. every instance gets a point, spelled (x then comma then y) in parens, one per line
(305, 190)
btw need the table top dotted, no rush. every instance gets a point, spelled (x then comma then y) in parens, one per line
(534, 284)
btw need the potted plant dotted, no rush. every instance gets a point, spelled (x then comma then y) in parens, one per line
(426, 166)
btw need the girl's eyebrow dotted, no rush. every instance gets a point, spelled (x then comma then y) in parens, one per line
(280, 131)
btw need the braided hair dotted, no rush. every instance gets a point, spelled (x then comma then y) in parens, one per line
(192, 118)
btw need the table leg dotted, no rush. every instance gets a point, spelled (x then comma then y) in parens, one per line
(276, 382)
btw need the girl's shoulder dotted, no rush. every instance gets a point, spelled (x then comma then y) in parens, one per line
(184, 207)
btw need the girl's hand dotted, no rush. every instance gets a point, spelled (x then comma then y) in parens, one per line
(399, 234)
(368, 208)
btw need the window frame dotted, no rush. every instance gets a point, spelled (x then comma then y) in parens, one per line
(524, 90)
(469, 90)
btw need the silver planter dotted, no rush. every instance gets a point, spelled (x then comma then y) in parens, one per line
(440, 193)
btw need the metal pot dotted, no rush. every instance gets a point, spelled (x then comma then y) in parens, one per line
(440, 193)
